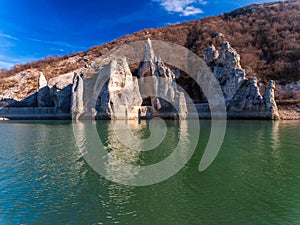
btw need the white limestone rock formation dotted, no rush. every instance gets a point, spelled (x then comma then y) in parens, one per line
(42, 81)
(77, 105)
(247, 97)
(241, 94)
(154, 91)
(182, 107)
(61, 92)
(157, 82)
(228, 71)
(210, 54)
(120, 98)
(43, 95)
(270, 100)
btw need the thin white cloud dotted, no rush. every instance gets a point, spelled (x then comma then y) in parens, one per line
(60, 44)
(7, 62)
(57, 49)
(183, 7)
(6, 65)
(8, 36)
(57, 43)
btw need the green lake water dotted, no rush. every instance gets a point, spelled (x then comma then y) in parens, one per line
(255, 178)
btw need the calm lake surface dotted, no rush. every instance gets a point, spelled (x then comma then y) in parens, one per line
(255, 178)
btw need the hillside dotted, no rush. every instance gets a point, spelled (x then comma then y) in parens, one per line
(267, 36)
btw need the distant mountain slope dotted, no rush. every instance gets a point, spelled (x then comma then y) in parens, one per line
(267, 36)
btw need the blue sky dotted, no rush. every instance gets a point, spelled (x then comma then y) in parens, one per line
(34, 29)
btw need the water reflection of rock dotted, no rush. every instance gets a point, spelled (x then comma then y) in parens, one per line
(112, 197)
(275, 135)
(275, 144)
(124, 163)
(122, 195)
(120, 163)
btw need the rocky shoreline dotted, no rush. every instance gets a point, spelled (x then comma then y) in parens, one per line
(289, 113)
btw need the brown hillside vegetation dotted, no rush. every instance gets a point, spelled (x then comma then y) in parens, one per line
(267, 36)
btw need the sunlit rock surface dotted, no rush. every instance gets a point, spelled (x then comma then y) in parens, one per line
(242, 95)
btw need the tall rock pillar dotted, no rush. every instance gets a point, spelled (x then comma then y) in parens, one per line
(77, 107)
(271, 106)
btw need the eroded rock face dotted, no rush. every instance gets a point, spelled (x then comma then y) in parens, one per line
(210, 54)
(123, 91)
(120, 97)
(241, 94)
(77, 105)
(270, 100)
(43, 96)
(157, 82)
(154, 91)
(227, 69)
(247, 97)
(122, 94)
(61, 92)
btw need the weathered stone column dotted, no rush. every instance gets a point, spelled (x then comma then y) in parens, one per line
(271, 106)
(77, 107)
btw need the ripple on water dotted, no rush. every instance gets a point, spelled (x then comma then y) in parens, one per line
(254, 180)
